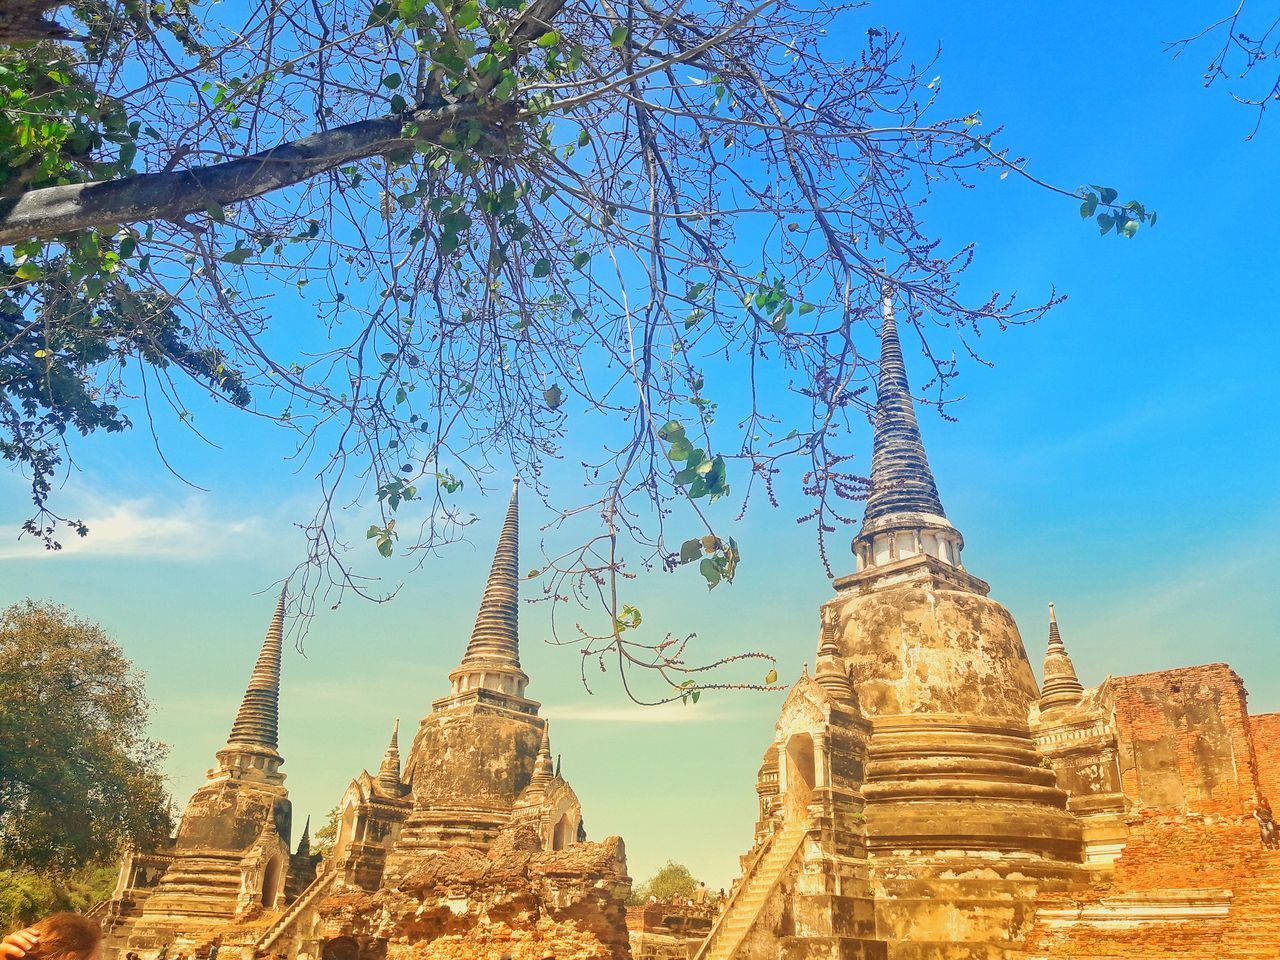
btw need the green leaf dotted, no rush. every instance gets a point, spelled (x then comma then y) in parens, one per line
(687, 476)
(29, 271)
(1129, 229)
(549, 39)
(1090, 206)
(1105, 222)
(398, 104)
(581, 259)
(710, 571)
(542, 268)
(391, 81)
(506, 86)
(671, 430)
(385, 547)
(618, 37)
(584, 137)
(771, 677)
(238, 255)
(1106, 194)
(469, 15)
(695, 695)
(681, 449)
(690, 550)
(554, 396)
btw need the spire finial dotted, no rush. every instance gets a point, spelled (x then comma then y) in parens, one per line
(389, 771)
(831, 674)
(304, 845)
(257, 722)
(1061, 685)
(496, 635)
(901, 481)
(542, 769)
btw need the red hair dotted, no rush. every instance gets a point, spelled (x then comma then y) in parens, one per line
(66, 936)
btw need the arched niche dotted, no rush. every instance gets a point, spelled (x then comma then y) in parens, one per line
(800, 776)
(565, 832)
(340, 948)
(272, 880)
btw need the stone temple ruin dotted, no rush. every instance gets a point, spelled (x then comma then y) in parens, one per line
(475, 849)
(922, 798)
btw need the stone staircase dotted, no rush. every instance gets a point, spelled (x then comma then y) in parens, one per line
(305, 899)
(743, 908)
(1252, 932)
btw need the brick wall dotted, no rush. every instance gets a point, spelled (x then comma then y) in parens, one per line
(1164, 856)
(1266, 748)
(1186, 741)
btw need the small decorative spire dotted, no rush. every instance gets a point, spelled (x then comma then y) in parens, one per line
(557, 774)
(1061, 686)
(830, 673)
(901, 481)
(496, 635)
(258, 720)
(389, 771)
(542, 770)
(304, 845)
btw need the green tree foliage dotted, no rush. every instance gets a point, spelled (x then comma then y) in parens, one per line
(78, 777)
(26, 896)
(672, 880)
(322, 840)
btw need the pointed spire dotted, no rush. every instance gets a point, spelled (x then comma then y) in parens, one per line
(389, 772)
(542, 770)
(557, 766)
(1061, 686)
(496, 635)
(304, 845)
(258, 720)
(901, 481)
(830, 672)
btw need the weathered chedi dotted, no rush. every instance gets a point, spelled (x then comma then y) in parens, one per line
(905, 813)
(230, 859)
(475, 848)
(924, 799)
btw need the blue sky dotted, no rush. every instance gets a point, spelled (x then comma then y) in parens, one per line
(1119, 459)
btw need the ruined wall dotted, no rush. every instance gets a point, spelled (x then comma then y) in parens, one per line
(1266, 750)
(464, 904)
(1185, 743)
(1183, 889)
(658, 946)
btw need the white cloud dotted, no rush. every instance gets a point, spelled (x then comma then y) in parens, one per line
(142, 527)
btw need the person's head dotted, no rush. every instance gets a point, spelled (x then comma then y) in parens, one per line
(67, 936)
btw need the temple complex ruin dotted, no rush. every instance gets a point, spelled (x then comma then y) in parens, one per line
(922, 797)
(476, 848)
